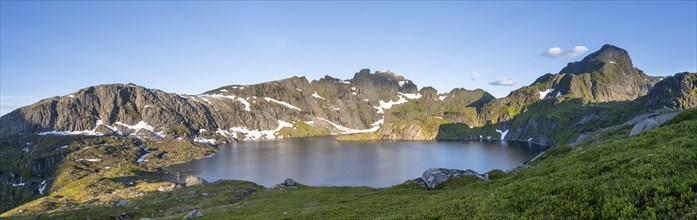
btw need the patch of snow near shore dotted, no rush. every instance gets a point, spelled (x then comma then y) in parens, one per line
(90, 160)
(317, 96)
(282, 103)
(345, 130)
(141, 125)
(503, 133)
(558, 94)
(201, 139)
(543, 94)
(250, 135)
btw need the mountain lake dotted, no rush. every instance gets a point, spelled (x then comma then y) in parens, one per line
(324, 161)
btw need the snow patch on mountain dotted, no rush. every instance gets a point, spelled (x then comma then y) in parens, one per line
(314, 94)
(411, 96)
(247, 106)
(387, 105)
(503, 133)
(345, 130)
(282, 103)
(201, 139)
(92, 132)
(42, 187)
(544, 93)
(141, 125)
(250, 135)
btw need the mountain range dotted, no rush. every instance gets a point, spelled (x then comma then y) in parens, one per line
(601, 90)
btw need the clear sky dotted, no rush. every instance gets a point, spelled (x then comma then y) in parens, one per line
(55, 48)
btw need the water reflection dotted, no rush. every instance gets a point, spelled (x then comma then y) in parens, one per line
(323, 161)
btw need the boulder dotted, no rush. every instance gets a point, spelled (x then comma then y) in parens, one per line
(121, 203)
(289, 182)
(434, 177)
(193, 214)
(650, 122)
(647, 124)
(194, 180)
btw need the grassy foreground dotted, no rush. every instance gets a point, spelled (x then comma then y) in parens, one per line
(652, 175)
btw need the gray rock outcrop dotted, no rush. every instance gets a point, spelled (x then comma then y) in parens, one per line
(194, 180)
(193, 214)
(649, 121)
(121, 203)
(435, 177)
(289, 182)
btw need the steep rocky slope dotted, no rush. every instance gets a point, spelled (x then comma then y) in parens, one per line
(261, 111)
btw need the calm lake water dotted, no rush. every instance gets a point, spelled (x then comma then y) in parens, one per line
(324, 161)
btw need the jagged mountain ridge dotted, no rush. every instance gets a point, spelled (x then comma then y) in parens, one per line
(251, 112)
(384, 104)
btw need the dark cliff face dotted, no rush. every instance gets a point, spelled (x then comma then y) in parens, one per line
(674, 92)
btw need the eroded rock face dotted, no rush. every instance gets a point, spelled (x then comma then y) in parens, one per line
(674, 92)
(435, 177)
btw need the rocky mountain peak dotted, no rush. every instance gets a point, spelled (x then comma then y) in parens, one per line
(383, 80)
(607, 55)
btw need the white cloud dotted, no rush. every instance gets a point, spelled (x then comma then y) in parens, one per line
(476, 76)
(504, 82)
(555, 52)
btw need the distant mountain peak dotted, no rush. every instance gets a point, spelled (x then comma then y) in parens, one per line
(610, 53)
(607, 55)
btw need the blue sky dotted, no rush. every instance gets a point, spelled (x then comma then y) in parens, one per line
(55, 48)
